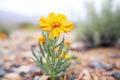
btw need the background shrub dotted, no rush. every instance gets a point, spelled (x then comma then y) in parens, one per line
(100, 29)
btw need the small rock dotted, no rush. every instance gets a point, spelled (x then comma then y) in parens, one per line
(94, 63)
(2, 73)
(28, 77)
(1, 63)
(85, 75)
(11, 70)
(71, 78)
(37, 78)
(116, 75)
(33, 68)
(16, 65)
(106, 74)
(12, 76)
(7, 65)
(78, 46)
(23, 69)
(108, 68)
(35, 73)
(116, 65)
(112, 55)
(95, 78)
(34, 45)
(44, 77)
(41, 72)
(6, 59)
(22, 74)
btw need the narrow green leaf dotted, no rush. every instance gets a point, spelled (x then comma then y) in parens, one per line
(61, 48)
(41, 50)
(44, 36)
(63, 68)
(59, 74)
(60, 43)
(34, 54)
(67, 50)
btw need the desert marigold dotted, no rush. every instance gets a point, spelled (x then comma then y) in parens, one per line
(3, 36)
(41, 39)
(55, 24)
(67, 42)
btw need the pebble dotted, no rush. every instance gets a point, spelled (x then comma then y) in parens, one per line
(33, 68)
(116, 65)
(116, 75)
(35, 73)
(1, 64)
(44, 77)
(112, 55)
(7, 65)
(94, 63)
(16, 65)
(22, 74)
(37, 78)
(71, 78)
(12, 76)
(41, 72)
(11, 70)
(28, 77)
(2, 73)
(78, 46)
(23, 69)
(85, 75)
(108, 68)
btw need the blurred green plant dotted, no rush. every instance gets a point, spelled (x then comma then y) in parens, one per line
(100, 29)
(28, 26)
(4, 29)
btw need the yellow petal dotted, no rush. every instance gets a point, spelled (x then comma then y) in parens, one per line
(3, 35)
(61, 55)
(67, 56)
(66, 27)
(59, 30)
(48, 28)
(68, 24)
(51, 16)
(61, 18)
(41, 39)
(44, 20)
(43, 24)
(67, 42)
(54, 33)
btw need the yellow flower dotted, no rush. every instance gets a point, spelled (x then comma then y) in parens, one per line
(3, 36)
(41, 39)
(55, 24)
(57, 49)
(67, 42)
(67, 56)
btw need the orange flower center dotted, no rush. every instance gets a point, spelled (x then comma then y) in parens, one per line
(55, 24)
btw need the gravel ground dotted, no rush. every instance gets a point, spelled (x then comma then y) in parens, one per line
(93, 64)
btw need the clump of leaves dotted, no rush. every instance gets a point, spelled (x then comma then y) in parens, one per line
(55, 54)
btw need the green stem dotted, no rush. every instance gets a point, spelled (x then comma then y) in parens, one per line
(53, 61)
(52, 76)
